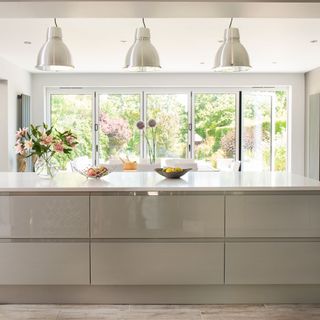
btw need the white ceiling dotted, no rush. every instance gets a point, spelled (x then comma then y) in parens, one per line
(274, 45)
(160, 9)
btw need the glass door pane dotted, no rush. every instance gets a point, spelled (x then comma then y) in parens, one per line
(257, 131)
(118, 134)
(73, 111)
(171, 114)
(215, 128)
(280, 131)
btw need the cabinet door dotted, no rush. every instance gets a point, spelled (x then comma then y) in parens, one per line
(157, 216)
(44, 263)
(273, 263)
(44, 216)
(273, 216)
(129, 263)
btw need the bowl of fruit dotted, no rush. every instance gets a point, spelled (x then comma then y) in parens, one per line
(172, 172)
(93, 172)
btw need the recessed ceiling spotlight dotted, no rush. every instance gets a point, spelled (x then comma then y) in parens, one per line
(27, 42)
(220, 41)
(123, 41)
(314, 41)
(274, 62)
(202, 62)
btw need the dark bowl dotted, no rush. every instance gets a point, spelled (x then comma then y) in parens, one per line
(172, 175)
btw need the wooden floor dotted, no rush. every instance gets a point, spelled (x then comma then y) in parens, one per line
(160, 312)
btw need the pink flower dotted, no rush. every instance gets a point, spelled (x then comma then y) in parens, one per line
(46, 140)
(115, 128)
(28, 144)
(58, 147)
(19, 148)
(70, 140)
(21, 133)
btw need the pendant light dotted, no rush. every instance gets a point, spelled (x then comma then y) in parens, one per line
(54, 54)
(232, 55)
(142, 55)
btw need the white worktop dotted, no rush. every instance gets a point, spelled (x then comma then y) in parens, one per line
(151, 181)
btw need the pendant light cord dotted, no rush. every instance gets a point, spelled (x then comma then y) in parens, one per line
(144, 24)
(230, 24)
(55, 22)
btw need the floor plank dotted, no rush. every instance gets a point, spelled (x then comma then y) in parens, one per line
(161, 312)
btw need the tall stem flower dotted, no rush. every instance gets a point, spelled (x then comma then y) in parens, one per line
(151, 145)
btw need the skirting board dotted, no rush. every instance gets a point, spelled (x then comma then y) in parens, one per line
(160, 294)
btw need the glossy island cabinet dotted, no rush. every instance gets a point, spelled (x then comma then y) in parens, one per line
(139, 238)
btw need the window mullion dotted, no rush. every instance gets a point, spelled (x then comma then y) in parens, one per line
(191, 126)
(143, 116)
(95, 130)
(272, 133)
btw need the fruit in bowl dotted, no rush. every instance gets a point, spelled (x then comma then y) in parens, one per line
(92, 172)
(96, 172)
(170, 169)
(172, 172)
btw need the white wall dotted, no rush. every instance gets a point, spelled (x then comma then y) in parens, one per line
(312, 86)
(13, 81)
(295, 81)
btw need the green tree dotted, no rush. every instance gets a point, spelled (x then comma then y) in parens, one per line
(214, 119)
(73, 112)
(170, 113)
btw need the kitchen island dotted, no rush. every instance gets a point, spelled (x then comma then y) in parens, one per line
(139, 238)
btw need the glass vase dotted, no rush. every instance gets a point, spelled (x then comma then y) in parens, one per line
(46, 166)
(152, 154)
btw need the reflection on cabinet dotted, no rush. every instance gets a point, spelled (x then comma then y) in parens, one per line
(314, 136)
(44, 216)
(179, 239)
(273, 263)
(157, 216)
(157, 263)
(273, 216)
(44, 263)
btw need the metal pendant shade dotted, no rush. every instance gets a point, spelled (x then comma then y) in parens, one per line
(142, 55)
(54, 54)
(218, 54)
(128, 56)
(232, 55)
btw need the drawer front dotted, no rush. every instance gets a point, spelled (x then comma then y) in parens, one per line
(157, 263)
(273, 263)
(44, 216)
(273, 216)
(44, 263)
(157, 216)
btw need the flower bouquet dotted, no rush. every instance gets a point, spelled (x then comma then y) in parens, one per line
(43, 143)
